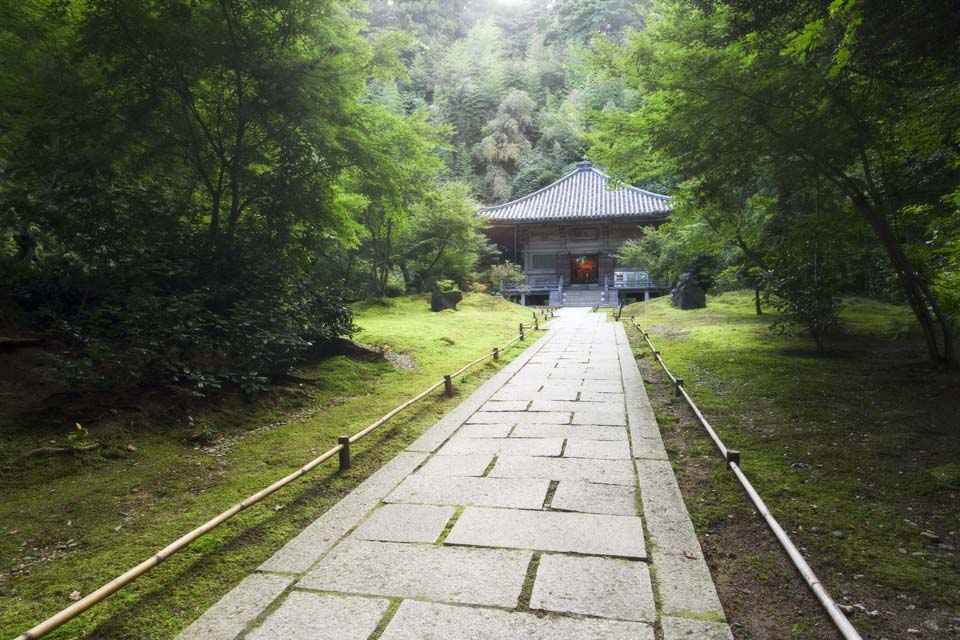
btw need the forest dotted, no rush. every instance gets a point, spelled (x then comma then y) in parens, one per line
(192, 193)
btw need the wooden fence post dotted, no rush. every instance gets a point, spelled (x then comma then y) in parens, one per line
(448, 385)
(344, 442)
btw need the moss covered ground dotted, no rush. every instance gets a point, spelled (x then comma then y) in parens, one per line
(70, 523)
(856, 450)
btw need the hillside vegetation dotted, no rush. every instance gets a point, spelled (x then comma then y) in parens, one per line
(855, 450)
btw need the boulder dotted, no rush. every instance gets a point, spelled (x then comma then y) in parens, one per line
(689, 294)
(444, 300)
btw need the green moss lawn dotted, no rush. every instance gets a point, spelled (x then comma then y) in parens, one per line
(71, 523)
(856, 450)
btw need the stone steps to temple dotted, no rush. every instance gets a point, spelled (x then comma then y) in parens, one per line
(588, 298)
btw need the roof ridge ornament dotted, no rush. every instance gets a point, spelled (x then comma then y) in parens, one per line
(584, 165)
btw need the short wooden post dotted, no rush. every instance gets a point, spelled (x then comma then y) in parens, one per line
(733, 456)
(677, 385)
(496, 353)
(536, 323)
(534, 316)
(344, 442)
(448, 385)
(521, 331)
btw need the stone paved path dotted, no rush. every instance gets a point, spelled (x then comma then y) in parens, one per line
(542, 508)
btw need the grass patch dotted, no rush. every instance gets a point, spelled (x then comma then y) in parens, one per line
(854, 450)
(72, 523)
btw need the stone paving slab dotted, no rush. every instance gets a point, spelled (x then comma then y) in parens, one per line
(503, 446)
(520, 417)
(587, 497)
(484, 431)
(309, 616)
(599, 396)
(535, 393)
(604, 370)
(604, 587)
(405, 523)
(517, 493)
(549, 531)
(602, 386)
(597, 449)
(684, 629)
(683, 578)
(429, 621)
(300, 553)
(469, 465)
(239, 608)
(644, 431)
(579, 405)
(590, 432)
(449, 574)
(505, 405)
(601, 471)
(617, 417)
(576, 373)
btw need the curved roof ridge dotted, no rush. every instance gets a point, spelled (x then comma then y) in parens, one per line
(581, 194)
(533, 193)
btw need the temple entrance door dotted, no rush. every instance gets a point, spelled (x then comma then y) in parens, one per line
(584, 269)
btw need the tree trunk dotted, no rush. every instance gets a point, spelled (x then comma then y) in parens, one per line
(756, 300)
(919, 296)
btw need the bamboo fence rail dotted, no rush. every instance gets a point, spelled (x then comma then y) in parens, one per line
(732, 458)
(342, 449)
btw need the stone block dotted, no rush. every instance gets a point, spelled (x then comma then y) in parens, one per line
(549, 531)
(517, 493)
(429, 621)
(602, 373)
(503, 446)
(310, 616)
(604, 587)
(597, 449)
(567, 374)
(240, 607)
(683, 578)
(513, 393)
(505, 405)
(649, 448)
(472, 465)
(600, 396)
(484, 431)
(405, 523)
(609, 416)
(604, 386)
(569, 431)
(521, 417)
(567, 405)
(448, 574)
(600, 471)
(586, 497)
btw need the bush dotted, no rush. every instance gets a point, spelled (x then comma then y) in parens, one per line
(805, 283)
(175, 316)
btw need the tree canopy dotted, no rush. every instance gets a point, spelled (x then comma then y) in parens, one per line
(801, 106)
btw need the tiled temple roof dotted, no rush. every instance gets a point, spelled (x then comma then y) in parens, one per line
(580, 195)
